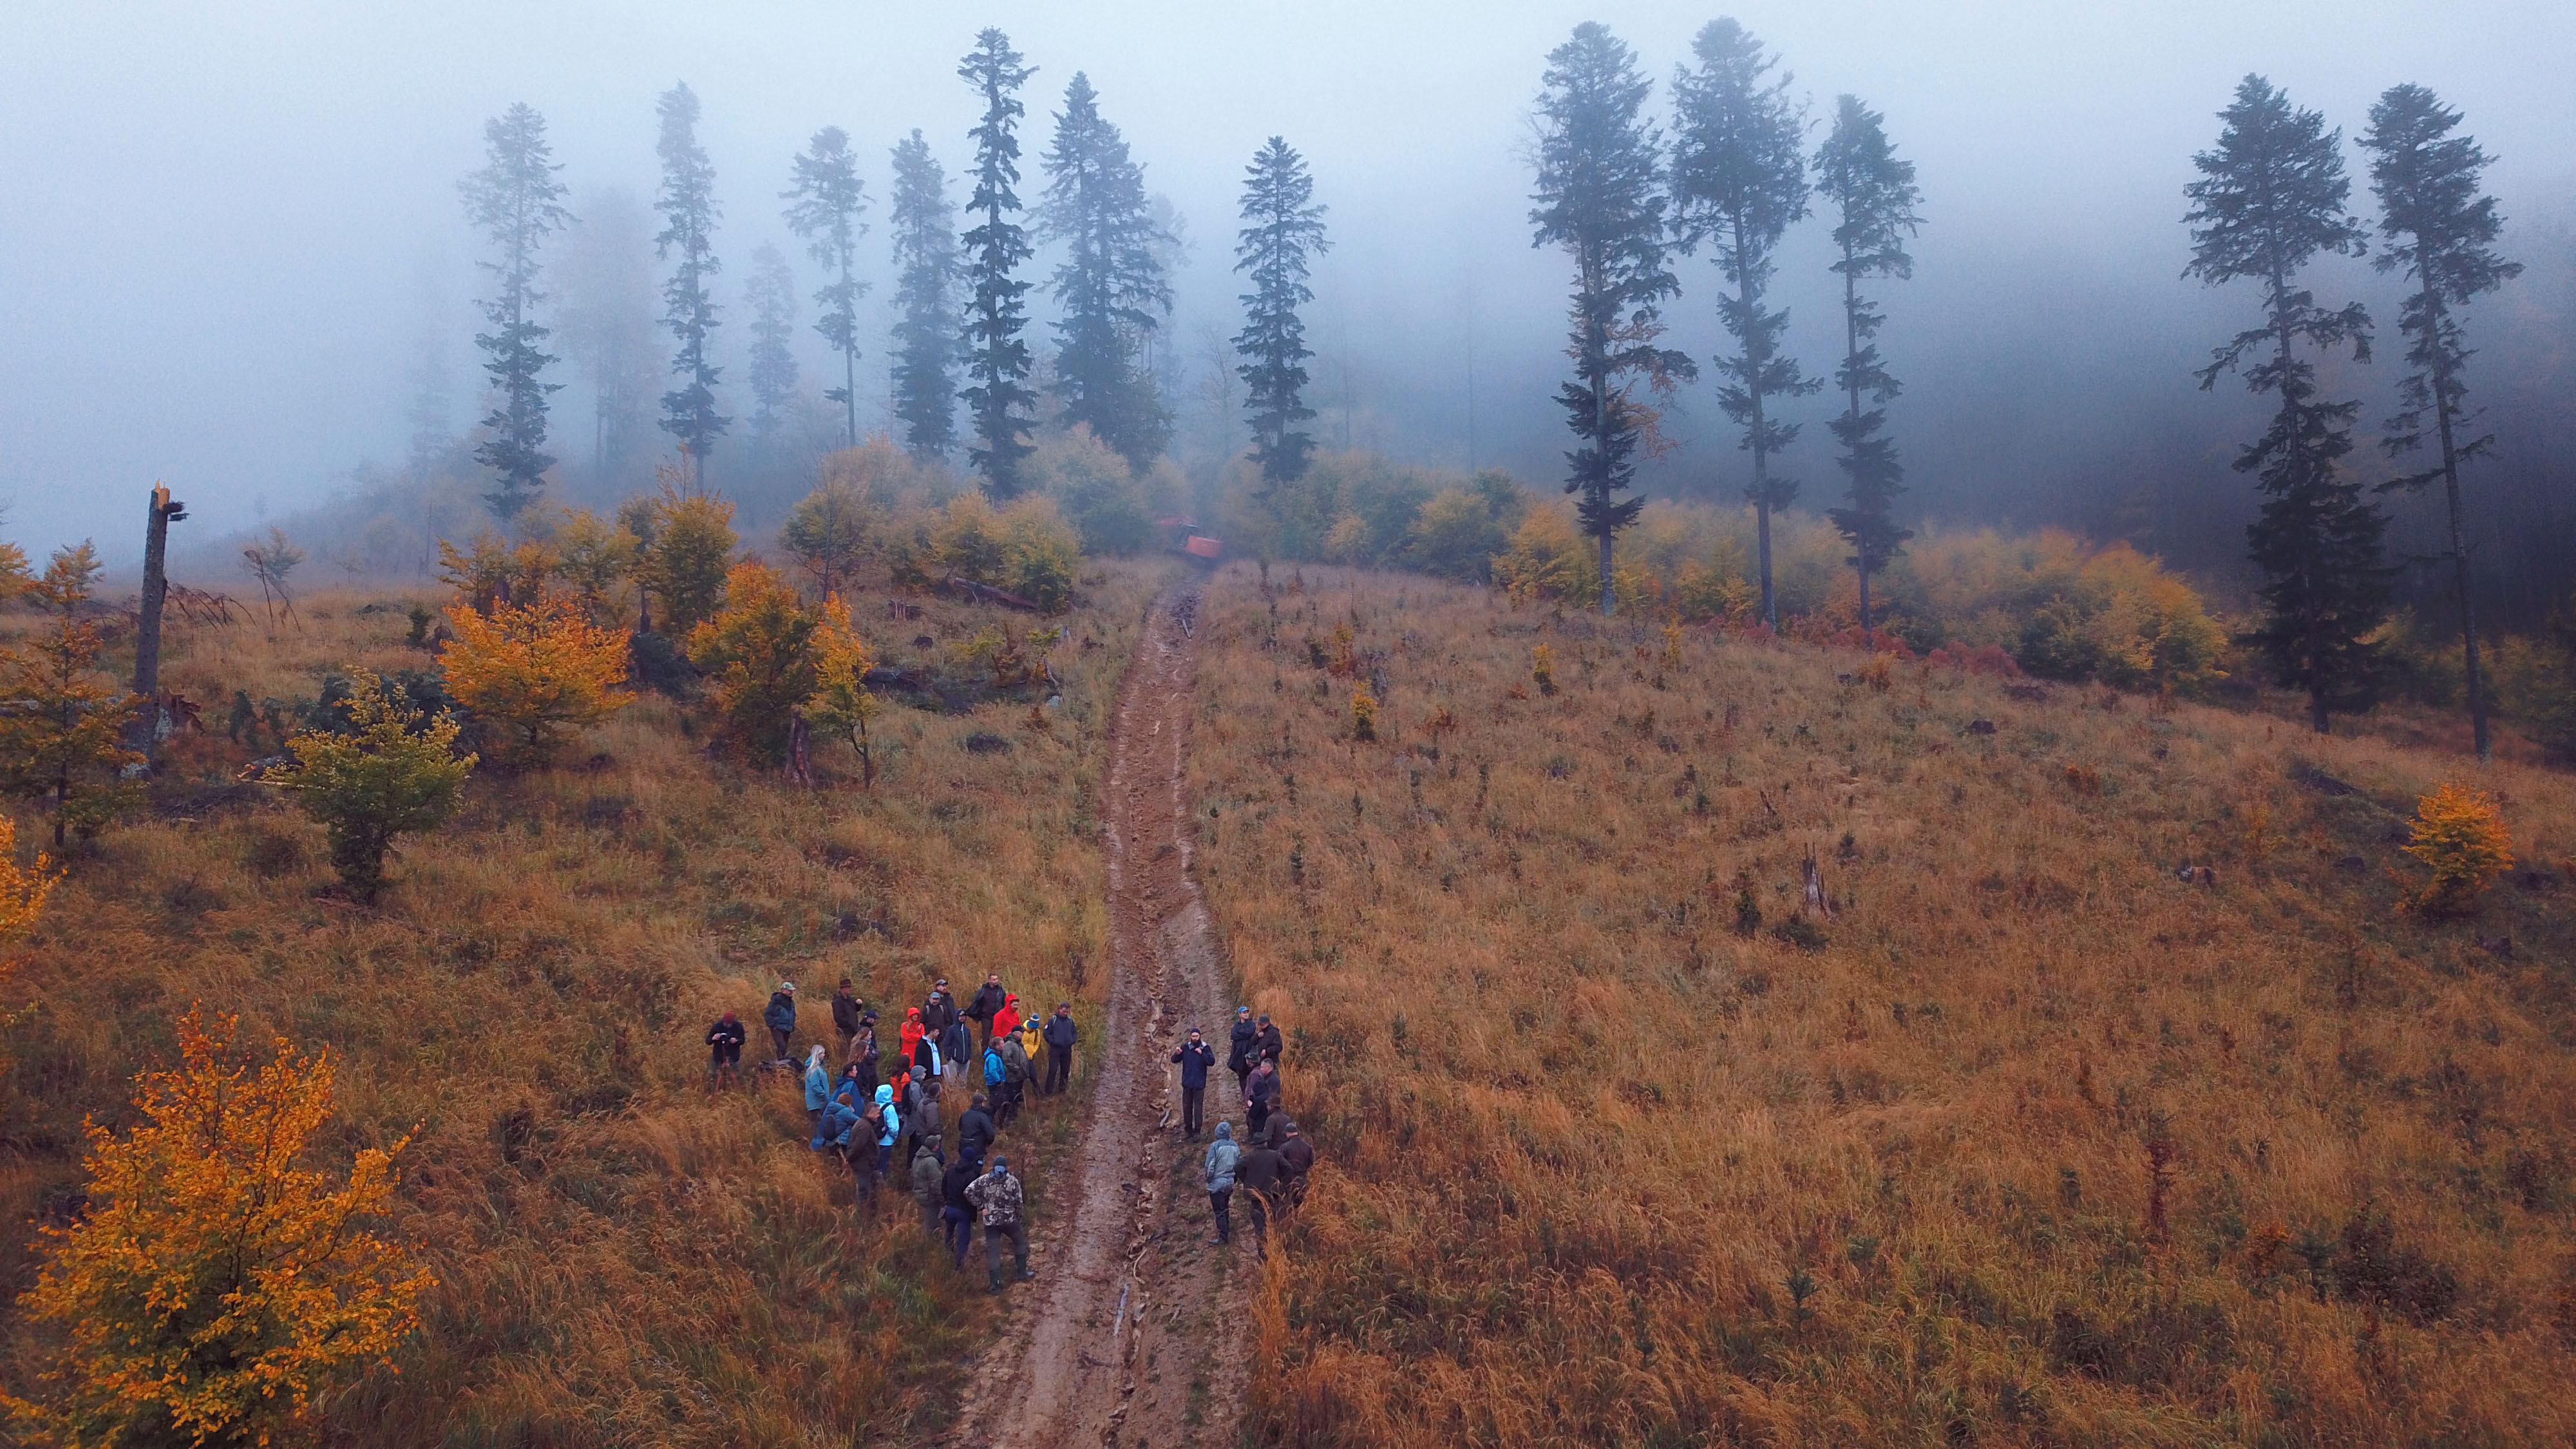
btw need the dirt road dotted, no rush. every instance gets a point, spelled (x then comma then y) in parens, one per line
(1131, 1335)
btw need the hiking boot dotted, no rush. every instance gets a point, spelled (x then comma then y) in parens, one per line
(1027, 1277)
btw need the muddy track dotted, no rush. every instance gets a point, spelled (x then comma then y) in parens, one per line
(1131, 1335)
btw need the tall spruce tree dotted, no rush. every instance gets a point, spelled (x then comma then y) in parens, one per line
(515, 201)
(997, 356)
(769, 294)
(608, 282)
(688, 206)
(1600, 196)
(825, 201)
(2441, 231)
(925, 329)
(1283, 228)
(1739, 182)
(1111, 284)
(2271, 197)
(1874, 195)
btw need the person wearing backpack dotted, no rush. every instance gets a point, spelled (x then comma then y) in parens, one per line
(842, 1124)
(1296, 1164)
(1223, 1159)
(889, 1127)
(1015, 1077)
(997, 1075)
(1195, 1057)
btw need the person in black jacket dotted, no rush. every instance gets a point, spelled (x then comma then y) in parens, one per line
(975, 1131)
(864, 1055)
(724, 1052)
(937, 1010)
(1272, 1044)
(1060, 1037)
(1195, 1057)
(1261, 1171)
(1260, 1096)
(1296, 1162)
(847, 1008)
(780, 1017)
(988, 1000)
(956, 1214)
(1245, 1046)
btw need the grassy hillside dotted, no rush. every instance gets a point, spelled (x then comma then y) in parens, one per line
(2028, 1142)
(622, 1260)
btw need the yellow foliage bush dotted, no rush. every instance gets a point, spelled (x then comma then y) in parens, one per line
(758, 648)
(842, 703)
(216, 1286)
(541, 671)
(2461, 837)
(1363, 714)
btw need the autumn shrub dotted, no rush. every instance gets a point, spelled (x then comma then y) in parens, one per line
(217, 1283)
(2460, 836)
(392, 773)
(491, 570)
(687, 548)
(842, 703)
(1026, 549)
(1110, 508)
(759, 656)
(537, 673)
(62, 718)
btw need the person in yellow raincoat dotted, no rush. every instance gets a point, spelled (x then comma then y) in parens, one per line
(1034, 1041)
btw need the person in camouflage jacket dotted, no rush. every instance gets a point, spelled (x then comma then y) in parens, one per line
(996, 1196)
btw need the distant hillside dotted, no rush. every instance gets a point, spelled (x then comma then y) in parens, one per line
(2008, 1133)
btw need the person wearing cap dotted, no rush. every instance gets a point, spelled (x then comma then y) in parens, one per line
(780, 1018)
(847, 1008)
(996, 1196)
(1270, 1043)
(818, 1093)
(928, 1167)
(1296, 1160)
(1060, 1037)
(1032, 1035)
(1260, 1096)
(1195, 1057)
(956, 1213)
(987, 1003)
(1245, 1046)
(938, 1009)
(1260, 1172)
(1223, 1159)
(956, 1048)
(724, 1052)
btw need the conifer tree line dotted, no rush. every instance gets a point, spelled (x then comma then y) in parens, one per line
(1633, 191)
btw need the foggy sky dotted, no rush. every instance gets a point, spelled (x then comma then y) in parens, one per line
(231, 225)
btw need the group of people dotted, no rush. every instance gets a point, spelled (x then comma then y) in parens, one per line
(1275, 1167)
(884, 1109)
(888, 1107)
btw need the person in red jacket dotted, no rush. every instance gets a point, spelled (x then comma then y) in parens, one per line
(1007, 1019)
(911, 1035)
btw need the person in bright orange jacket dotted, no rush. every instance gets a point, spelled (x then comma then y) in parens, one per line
(910, 1038)
(1008, 1018)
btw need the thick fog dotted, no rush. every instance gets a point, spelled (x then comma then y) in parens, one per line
(234, 246)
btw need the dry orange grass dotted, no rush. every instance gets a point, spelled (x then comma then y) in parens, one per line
(2044, 1137)
(622, 1260)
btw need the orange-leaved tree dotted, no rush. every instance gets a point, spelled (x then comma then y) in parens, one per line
(758, 650)
(216, 1284)
(841, 702)
(2460, 834)
(23, 888)
(541, 671)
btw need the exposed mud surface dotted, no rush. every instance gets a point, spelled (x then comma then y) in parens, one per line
(1133, 1333)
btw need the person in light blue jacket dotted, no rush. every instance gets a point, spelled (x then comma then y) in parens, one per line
(1222, 1158)
(818, 1096)
(889, 1126)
